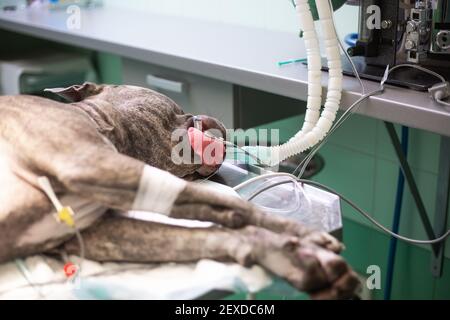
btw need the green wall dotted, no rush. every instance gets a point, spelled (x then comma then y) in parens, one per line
(360, 163)
(109, 67)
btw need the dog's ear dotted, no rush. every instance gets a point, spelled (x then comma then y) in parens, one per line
(77, 92)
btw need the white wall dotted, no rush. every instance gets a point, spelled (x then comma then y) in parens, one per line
(270, 14)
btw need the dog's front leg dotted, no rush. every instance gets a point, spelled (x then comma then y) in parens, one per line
(201, 203)
(90, 168)
(320, 272)
(101, 175)
(127, 184)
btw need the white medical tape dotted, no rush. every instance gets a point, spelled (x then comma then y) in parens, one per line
(157, 191)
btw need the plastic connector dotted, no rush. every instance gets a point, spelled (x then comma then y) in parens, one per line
(440, 91)
(65, 215)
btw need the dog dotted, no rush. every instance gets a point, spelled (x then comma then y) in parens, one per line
(109, 147)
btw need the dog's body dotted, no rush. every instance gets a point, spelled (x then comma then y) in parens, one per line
(94, 151)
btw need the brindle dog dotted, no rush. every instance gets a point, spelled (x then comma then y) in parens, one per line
(94, 150)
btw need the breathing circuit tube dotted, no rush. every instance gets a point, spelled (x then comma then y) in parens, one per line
(316, 125)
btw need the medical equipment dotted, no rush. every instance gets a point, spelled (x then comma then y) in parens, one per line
(438, 92)
(328, 189)
(394, 32)
(64, 214)
(251, 181)
(423, 15)
(205, 279)
(307, 205)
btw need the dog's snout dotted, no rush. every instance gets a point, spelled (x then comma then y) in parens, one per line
(207, 123)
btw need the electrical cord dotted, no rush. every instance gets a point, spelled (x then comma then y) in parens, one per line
(261, 177)
(340, 121)
(347, 55)
(348, 112)
(270, 186)
(95, 274)
(351, 203)
(231, 144)
(444, 103)
(304, 163)
(439, 91)
(21, 265)
(405, 65)
(82, 249)
(376, 223)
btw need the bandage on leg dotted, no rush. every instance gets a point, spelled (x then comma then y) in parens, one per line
(157, 191)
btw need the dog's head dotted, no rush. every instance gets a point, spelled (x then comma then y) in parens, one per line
(143, 124)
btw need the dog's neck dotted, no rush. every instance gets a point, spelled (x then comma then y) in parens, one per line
(107, 119)
(141, 133)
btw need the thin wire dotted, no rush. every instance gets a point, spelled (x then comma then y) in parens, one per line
(350, 60)
(257, 159)
(346, 114)
(20, 264)
(27, 274)
(358, 209)
(338, 124)
(270, 186)
(231, 144)
(444, 103)
(304, 163)
(355, 70)
(82, 249)
(261, 177)
(95, 274)
(405, 65)
(375, 222)
(210, 176)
